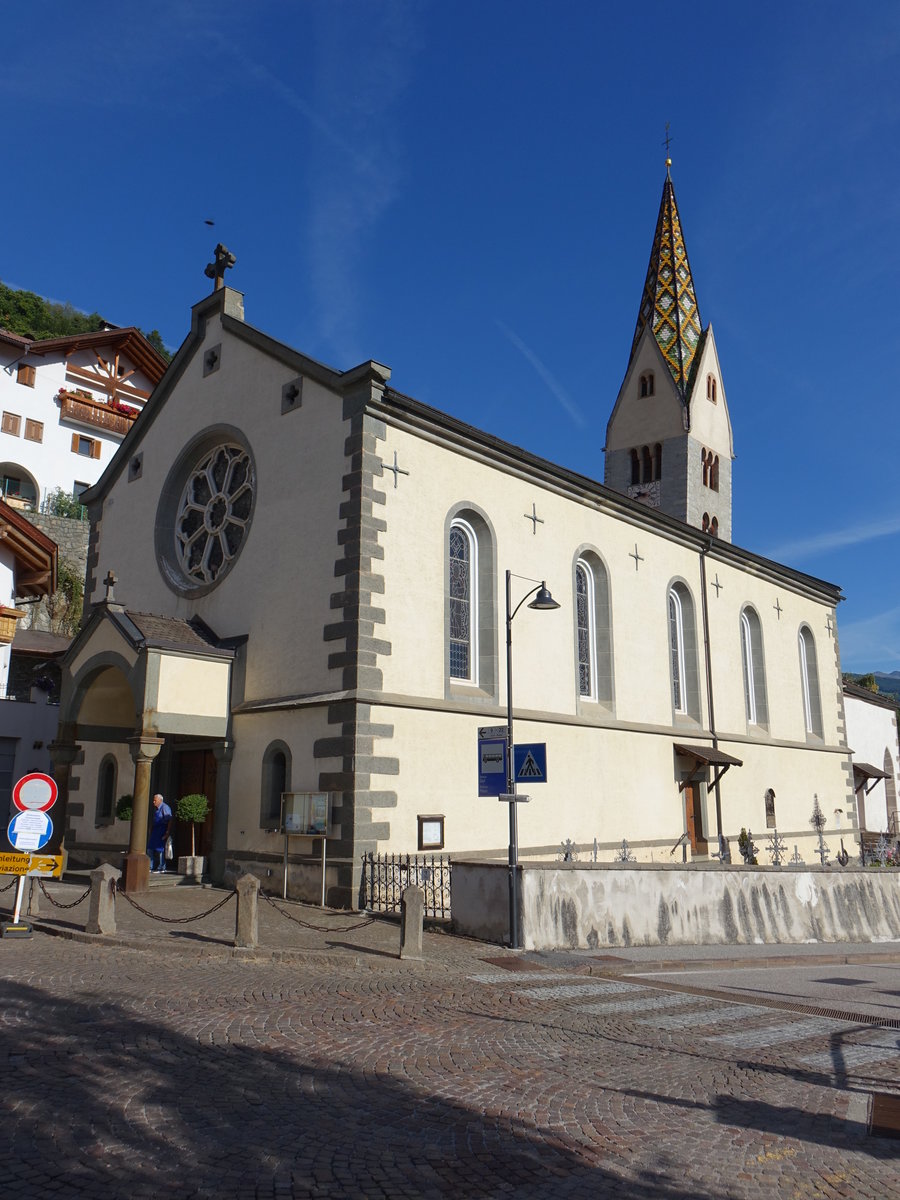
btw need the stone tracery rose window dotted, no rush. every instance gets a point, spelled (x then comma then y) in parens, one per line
(214, 513)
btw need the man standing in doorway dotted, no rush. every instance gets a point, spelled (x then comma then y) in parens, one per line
(160, 829)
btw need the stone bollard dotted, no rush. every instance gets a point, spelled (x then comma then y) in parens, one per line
(102, 912)
(246, 921)
(33, 907)
(412, 915)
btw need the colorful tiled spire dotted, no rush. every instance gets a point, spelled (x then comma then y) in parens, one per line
(669, 302)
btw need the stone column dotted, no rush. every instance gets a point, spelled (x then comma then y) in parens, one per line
(412, 918)
(144, 748)
(246, 921)
(224, 752)
(102, 912)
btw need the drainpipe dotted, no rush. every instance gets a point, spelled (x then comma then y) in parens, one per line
(709, 683)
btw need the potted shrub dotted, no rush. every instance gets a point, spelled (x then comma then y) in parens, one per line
(192, 808)
(124, 807)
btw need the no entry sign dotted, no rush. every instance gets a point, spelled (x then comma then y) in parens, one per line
(35, 792)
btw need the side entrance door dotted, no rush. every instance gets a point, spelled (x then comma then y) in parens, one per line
(195, 772)
(693, 815)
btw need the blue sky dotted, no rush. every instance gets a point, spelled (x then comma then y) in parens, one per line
(467, 192)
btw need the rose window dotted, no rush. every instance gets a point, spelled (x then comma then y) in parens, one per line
(214, 514)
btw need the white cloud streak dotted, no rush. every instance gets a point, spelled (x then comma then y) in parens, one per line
(834, 539)
(566, 403)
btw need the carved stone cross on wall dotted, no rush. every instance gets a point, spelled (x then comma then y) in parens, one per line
(533, 518)
(216, 269)
(110, 582)
(396, 469)
(638, 558)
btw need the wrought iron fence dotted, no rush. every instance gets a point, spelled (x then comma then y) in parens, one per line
(386, 875)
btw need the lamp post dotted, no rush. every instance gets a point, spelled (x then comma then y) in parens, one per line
(543, 602)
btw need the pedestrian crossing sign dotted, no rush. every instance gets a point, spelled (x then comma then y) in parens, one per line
(530, 762)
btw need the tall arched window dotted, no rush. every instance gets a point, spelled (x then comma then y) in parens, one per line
(106, 791)
(463, 600)
(683, 652)
(809, 682)
(657, 461)
(646, 465)
(890, 794)
(470, 598)
(593, 630)
(635, 468)
(755, 702)
(276, 778)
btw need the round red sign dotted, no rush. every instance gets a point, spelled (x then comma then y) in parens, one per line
(35, 792)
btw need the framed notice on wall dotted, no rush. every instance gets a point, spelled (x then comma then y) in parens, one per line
(306, 814)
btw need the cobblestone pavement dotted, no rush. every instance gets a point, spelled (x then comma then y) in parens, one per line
(171, 1070)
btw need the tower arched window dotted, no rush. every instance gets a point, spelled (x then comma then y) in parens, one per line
(635, 468)
(714, 526)
(704, 465)
(755, 702)
(704, 524)
(647, 384)
(646, 465)
(463, 562)
(657, 461)
(714, 473)
(809, 682)
(711, 388)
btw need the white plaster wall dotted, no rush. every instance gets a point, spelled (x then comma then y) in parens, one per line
(872, 729)
(279, 589)
(193, 686)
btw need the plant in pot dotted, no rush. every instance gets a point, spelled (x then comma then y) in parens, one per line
(192, 808)
(124, 807)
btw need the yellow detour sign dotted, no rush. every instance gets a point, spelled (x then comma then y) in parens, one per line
(50, 865)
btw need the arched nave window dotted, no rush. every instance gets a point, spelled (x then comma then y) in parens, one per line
(470, 586)
(463, 600)
(683, 652)
(755, 702)
(809, 682)
(593, 630)
(890, 793)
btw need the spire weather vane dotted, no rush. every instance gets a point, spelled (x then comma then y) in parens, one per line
(667, 142)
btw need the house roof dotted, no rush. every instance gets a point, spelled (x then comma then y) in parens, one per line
(669, 302)
(35, 553)
(15, 339)
(861, 693)
(175, 633)
(129, 340)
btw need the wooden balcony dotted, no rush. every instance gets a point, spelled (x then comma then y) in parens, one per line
(93, 413)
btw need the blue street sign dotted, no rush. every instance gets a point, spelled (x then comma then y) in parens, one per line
(530, 762)
(29, 831)
(491, 766)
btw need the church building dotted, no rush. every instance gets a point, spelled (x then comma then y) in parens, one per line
(297, 583)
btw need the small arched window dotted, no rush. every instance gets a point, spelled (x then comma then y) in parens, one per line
(646, 465)
(809, 682)
(704, 466)
(714, 526)
(463, 562)
(635, 468)
(705, 523)
(106, 791)
(657, 461)
(276, 779)
(711, 388)
(647, 384)
(714, 472)
(755, 702)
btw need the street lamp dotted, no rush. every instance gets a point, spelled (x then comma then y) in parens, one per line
(543, 602)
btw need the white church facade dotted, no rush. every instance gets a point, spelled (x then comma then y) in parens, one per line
(296, 584)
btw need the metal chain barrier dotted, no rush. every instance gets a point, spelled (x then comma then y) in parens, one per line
(177, 920)
(12, 883)
(309, 925)
(56, 904)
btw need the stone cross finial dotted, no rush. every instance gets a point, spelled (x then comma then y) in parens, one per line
(216, 269)
(110, 582)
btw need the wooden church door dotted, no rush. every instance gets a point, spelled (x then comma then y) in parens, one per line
(196, 772)
(693, 813)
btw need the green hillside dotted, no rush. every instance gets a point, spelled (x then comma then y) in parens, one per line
(30, 315)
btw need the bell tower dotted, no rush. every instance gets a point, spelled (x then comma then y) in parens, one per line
(669, 440)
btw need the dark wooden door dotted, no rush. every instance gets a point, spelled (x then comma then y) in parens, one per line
(693, 815)
(196, 772)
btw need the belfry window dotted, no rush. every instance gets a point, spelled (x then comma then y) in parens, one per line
(635, 468)
(647, 384)
(711, 388)
(463, 600)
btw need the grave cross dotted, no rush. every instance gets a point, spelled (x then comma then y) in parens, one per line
(217, 268)
(533, 518)
(397, 470)
(110, 582)
(638, 558)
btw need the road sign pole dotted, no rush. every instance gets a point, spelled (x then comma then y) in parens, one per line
(20, 891)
